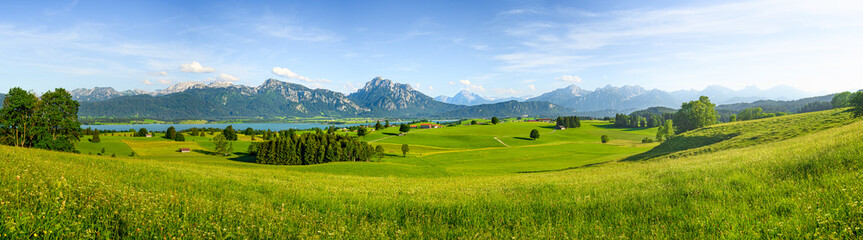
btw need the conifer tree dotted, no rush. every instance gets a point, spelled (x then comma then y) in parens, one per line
(95, 138)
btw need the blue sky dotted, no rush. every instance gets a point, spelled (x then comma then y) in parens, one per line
(494, 48)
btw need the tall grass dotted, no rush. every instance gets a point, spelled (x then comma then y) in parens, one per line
(806, 186)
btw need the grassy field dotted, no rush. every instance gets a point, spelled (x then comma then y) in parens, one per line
(771, 178)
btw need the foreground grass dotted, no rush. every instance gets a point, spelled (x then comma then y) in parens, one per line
(806, 186)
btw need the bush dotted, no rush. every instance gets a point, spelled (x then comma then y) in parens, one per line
(604, 138)
(646, 140)
(534, 134)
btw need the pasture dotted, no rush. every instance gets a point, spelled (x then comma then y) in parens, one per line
(790, 183)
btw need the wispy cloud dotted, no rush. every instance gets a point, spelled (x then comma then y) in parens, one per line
(226, 78)
(569, 78)
(282, 27)
(559, 44)
(285, 72)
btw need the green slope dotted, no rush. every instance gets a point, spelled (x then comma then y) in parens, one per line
(794, 186)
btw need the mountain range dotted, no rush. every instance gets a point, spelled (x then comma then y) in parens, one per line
(276, 99)
(385, 98)
(464, 97)
(631, 98)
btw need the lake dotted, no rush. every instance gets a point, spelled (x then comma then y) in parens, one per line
(236, 126)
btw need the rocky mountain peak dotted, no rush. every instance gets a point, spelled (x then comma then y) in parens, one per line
(575, 90)
(271, 83)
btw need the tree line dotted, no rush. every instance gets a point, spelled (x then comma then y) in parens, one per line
(639, 121)
(568, 122)
(46, 122)
(312, 148)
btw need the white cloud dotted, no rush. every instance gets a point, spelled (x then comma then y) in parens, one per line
(285, 72)
(163, 81)
(431, 88)
(451, 83)
(470, 86)
(529, 81)
(532, 87)
(226, 78)
(162, 73)
(569, 78)
(147, 82)
(196, 67)
(475, 88)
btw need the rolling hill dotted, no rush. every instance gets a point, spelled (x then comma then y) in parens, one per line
(786, 177)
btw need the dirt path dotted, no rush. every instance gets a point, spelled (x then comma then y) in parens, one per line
(380, 139)
(501, 142)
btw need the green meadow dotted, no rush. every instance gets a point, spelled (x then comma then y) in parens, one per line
(788, 177)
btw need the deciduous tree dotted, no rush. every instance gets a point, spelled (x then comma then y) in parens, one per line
(405, 150)
(857, 104)
(171, 133)
(18, 117)
(223, 146)
(229, 133)
(695, 114)
(842, 100)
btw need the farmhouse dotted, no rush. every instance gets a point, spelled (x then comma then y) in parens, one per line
(184, 150)
(429, 126)
(149, 135)
(413, 126)
(559, 127)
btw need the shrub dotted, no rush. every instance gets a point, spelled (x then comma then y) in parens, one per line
(646, 140)
(604, 138)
